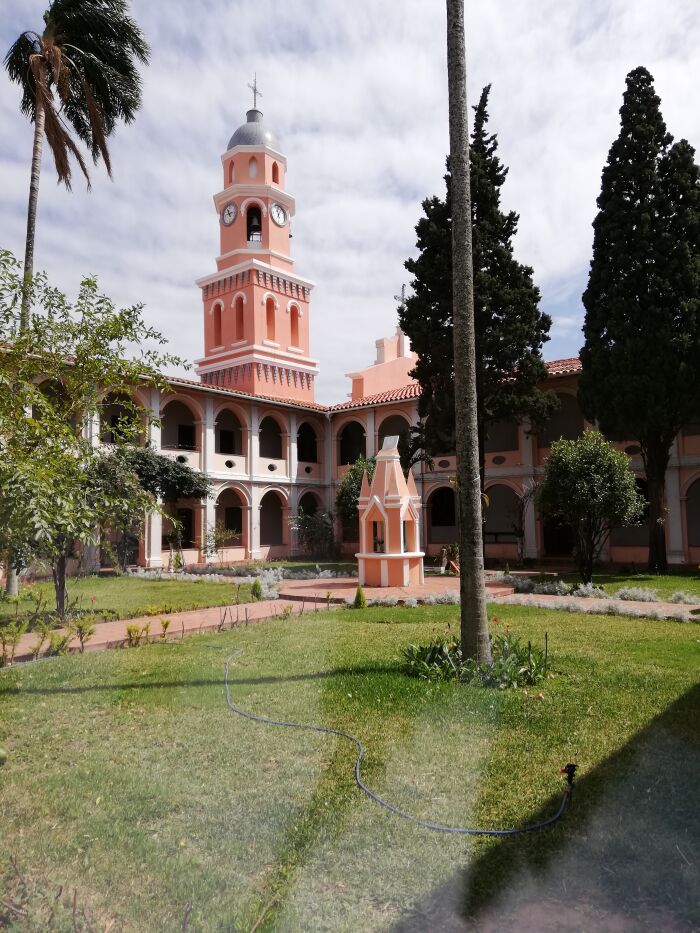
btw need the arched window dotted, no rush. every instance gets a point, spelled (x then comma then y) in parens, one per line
(229, 515)
(231, 173)
(252, 167)
(271, 519)
(216, 325)
(502, 514)
(228, 437)
(238, 318)
(442, 524)
(117, 418)
(308, 504)
(692, 514)
(501, 435)
(275, 174)
(178, 431)
(307, 448)
(566, 422)
(270, 318)
(634, 535)
(254, 223)
(352, 443)
(393, 426)
(270, 439)
(294, 325)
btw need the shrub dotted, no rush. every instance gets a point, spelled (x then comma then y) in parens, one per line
(590, 590)
(638, 594)
(360, 600)
(514, 664)
(134, 634)
(164, 626)
(84, 628)
(682, 597)
(256, 590)
(10, 633)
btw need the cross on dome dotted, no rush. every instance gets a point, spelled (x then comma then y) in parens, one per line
(254, 89)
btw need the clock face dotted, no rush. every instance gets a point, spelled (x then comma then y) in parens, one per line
(278, 214)
(228, 214)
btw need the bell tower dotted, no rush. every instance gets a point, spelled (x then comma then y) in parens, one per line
(256, 308)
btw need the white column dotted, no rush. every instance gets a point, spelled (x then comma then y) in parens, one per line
(154, 428)
(674, 537)
(292, 452)
(254, 442)
(529, 518)
(371, 436)
(254, 529)
(154, 544)
(208, 449)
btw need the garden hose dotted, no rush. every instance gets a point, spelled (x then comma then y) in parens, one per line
(569, 770)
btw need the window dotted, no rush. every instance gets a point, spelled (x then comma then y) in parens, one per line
(239, 318)
(270, 319)
(307, 448)
(294, 325)
(275, 174)
(233, 518)
(254, 223)
(231, 173)
(216, 330)
(185, 436)
(253, 167)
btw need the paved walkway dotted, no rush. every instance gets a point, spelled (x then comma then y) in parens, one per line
(332, 592)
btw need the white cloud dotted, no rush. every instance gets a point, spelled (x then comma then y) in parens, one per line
(357, 94)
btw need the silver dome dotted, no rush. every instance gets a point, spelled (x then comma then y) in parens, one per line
(253, 133)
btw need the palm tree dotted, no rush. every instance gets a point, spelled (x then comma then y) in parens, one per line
(79, 73)
(473, 617)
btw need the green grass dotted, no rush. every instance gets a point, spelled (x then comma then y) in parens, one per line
(130, 782)
(665, 585)
(130, 597)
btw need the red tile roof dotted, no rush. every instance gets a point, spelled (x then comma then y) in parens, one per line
(412, 390)
(565, 367)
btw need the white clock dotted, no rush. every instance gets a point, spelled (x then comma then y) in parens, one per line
(278, 214)
(228, 214)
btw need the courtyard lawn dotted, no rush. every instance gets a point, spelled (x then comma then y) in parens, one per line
(130, 783)
(130, 597)
(665, 584)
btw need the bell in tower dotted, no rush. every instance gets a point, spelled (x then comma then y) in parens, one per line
(253, 224)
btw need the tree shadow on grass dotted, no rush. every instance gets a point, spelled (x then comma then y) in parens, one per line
(8, 689)
(626, 856)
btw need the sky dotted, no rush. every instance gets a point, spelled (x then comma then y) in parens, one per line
(357, 94)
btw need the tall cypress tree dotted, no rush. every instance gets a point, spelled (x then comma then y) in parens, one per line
(510, 328)
(641, 358)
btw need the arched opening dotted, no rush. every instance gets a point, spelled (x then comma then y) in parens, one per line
(307, 446)
(692, 514)
(178, 430)
(393, 426)
(238, 318)
(502, 515)
(60, 404)
(252, 167)
(275, 174)
(308, 504)
(229, 518)
(117, 419)
(270, 439)
(253, 223)
(181, 535)
(294, 325)
(231, 173)
(352, 443)
(270, 318)
(216, 325)
(634, 535)
(271, 527)
(500, 436)
(557, 538)
(228, 435)
(566, 423)
(442, 522)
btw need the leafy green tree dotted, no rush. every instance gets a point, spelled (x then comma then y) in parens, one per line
(76, 73)
(348, 492)
(54, 370)
(588, 486)
(510, 328)
(165, 478)
(315, 532)
(641, 369)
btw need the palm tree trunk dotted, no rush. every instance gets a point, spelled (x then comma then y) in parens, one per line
(12, 581)
(474, 621)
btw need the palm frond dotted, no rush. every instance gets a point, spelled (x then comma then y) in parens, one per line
(17, 65)
(61, 144)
